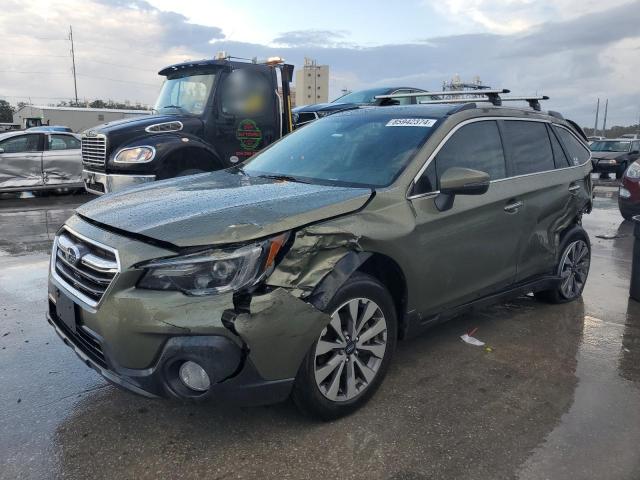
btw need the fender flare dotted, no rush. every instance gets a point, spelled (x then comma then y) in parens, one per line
(167, 144)
(329, 285)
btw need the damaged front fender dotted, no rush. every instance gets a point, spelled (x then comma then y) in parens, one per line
(279, 331)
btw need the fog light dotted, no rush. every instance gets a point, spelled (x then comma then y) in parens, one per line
(194, 376)
(624, 193)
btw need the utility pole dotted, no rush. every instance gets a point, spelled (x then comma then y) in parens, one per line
(73, 63)
(595, 128)
(604, 122)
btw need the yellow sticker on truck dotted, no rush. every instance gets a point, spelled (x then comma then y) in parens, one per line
(411, 122)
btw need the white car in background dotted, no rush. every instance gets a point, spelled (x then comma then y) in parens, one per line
(39, 160)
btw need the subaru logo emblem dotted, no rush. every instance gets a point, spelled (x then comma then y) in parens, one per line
(73, 255)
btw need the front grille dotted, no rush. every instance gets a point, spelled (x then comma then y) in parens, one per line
(94, 151)
(85, 267)
(82, 338)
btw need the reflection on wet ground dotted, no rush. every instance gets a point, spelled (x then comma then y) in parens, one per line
(29, 224)
(557, 397)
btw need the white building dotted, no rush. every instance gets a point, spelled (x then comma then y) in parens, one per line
(312, 83)
(76, 118)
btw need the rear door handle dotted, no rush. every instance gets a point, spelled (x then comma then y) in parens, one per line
(513, 207)
(574, 189)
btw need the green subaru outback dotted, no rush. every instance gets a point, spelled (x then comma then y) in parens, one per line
(297, 272)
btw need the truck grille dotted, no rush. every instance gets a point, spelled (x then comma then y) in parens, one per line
(94, 151)
(84, 267)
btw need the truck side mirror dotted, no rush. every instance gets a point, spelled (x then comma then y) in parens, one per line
(460, 181)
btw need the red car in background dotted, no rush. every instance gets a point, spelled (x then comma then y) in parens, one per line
(629, 193)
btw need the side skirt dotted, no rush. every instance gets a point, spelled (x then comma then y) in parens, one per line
(417, 324)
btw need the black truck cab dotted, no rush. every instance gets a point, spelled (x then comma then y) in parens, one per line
(210, 114)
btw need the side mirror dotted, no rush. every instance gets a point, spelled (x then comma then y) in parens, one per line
(1, 150)
(460, 181)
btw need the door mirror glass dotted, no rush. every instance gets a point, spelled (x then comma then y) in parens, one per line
(460, 181)
(1, 150)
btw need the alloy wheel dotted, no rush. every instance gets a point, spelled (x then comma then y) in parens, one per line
(574, 269)
(350, 350)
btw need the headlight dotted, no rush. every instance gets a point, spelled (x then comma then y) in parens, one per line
(135, 155)
(323, 113)
(633, 171)
(213, 271)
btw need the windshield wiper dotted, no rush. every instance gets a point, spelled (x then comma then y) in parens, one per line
(178, 107)
(286, 178)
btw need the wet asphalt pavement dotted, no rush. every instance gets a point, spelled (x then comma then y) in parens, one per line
(557, 398)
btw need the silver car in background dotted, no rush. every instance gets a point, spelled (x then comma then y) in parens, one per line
(39, 160)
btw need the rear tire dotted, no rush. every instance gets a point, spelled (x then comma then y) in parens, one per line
(347, 363)
(573, 268)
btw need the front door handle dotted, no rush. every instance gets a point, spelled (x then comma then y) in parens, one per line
(574, 189)
(513, 207)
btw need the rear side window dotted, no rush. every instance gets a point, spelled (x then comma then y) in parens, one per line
(578, 153)
(558, 154)
(528, 146)
(63, 142)
(477, 146)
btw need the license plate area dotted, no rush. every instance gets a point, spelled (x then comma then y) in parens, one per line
(66, 311)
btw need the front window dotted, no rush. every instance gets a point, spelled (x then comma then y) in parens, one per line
(610, 146)
(359, 148)
(185, 93)
(362, 96)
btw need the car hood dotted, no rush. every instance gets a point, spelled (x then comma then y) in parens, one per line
(138, 124)
(220, 207)
(606, 155)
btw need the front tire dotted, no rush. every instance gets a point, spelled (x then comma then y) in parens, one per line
(573, 268)
(348, 361)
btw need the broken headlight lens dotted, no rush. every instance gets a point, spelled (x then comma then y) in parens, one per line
(135, 155)
(213, 271)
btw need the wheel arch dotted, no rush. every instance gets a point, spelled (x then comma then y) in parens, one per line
(382, 267)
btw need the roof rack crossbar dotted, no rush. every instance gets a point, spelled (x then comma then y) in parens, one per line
(479, 93)
(534, 102)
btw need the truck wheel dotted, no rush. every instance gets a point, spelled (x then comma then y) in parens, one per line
(350, 358)
(573, 268)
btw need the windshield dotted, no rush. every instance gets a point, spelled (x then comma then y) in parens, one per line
(362, 96)
(187, 94)
(610, 146)
(359, 148)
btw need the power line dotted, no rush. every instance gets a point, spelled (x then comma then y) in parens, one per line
(116, 65)
(117, 80)
(33, 55)
(35, 73)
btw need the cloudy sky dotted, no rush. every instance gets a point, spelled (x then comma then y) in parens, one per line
(572, 50)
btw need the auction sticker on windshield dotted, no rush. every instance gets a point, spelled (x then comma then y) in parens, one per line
(411, 122)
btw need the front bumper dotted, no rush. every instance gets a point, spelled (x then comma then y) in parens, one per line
(99, 183)
(605, 166)
(233, 376)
